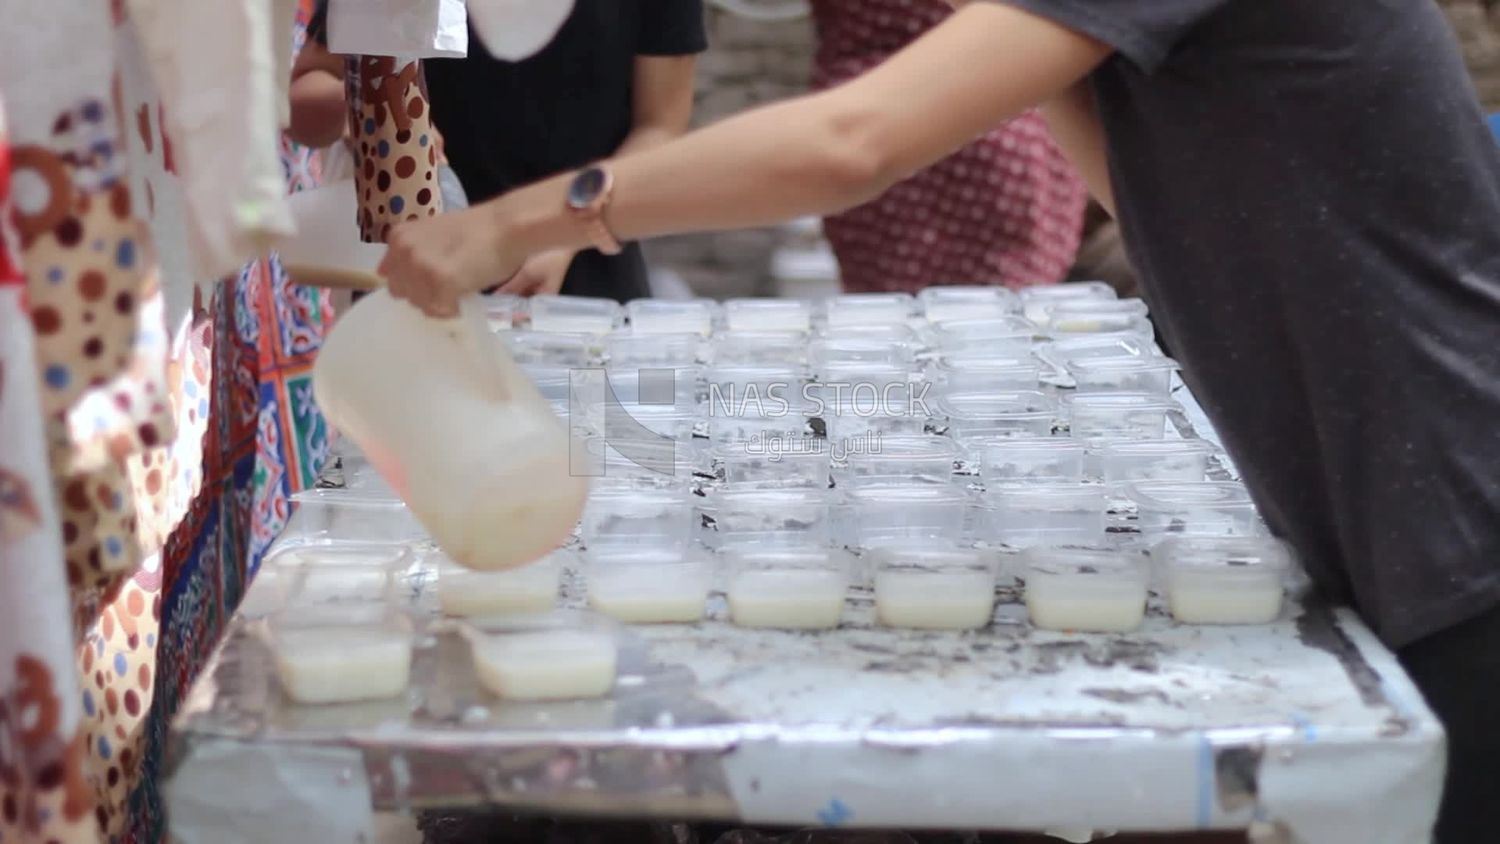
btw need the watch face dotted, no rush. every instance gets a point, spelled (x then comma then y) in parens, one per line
(586, 187)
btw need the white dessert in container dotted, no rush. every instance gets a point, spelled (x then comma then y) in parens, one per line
(933, 587)
(554, 656)
(648, 585)
(1224, 580)
(531, 588)
(790, 589)
(767, 315)
(574, 315)
(1084, 590)
(319, 664)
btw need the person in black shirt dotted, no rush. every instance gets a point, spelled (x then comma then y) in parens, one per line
(617, 79)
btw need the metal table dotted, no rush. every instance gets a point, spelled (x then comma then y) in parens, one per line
(1306, 730)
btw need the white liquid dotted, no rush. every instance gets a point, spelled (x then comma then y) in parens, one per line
(342, 664)
(790, 599)
(1085, 603)
(649, 595)
(1203, 598)
(554, 665)
(934, 600)
(528, 589)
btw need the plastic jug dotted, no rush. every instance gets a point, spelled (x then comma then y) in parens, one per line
(452, 424)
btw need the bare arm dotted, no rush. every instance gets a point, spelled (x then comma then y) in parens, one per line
(662, 101)
(1075, 124)
(319, 113)
(812, 155)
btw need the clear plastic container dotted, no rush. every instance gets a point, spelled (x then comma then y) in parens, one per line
(531, 588)
(859, 426)
(1060, 313)
(959, 302)
(1065, 349)
(1027, 515)
(883, 515)
(648, 585)
(771, 517)
(1127, 374)
(672, 351)
(1080, 320)
(1023, 413)
(342, 515)
(561, 655)
(739, 389)
(502, 309)
(764, 430)
(324, 657)
(1006, 336)
(903, 460)
(933, 587)
(553, 382)
(1156, 460)
(1208, 508)
(1224, 580)
(1085, 590)
(787, 588)
(557, 350)
(971, 373)
(892, 335)
(768, 315)
(760, 348)
(640, 464)
(802, 463)
(1012, 460)
(831, 353)
(1117, 416)
(574, 315)
(1035, 300)
(868, 309)
(655, 518)
(664, 316)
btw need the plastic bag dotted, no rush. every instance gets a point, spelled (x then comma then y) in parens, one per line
(410, 29)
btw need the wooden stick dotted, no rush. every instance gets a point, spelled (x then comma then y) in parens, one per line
(336, 278)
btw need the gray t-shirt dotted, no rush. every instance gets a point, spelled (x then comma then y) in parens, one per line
(1312, 198)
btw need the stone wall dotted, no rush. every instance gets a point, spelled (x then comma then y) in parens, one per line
(1477, 23)
(748, 62)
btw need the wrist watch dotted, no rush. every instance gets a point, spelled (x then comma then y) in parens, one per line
(588, 196)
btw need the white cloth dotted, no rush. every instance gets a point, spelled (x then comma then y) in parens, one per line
(218, 73)
(516, 29)
(415, 29)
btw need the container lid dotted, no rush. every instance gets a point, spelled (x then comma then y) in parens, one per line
(1083, 561)
(1167, 495)
(344, 555)
(912, 495)
(1120, 363)
(893, 334)
(1068, 290)
(978, 406)
(1106, 401)
(1033, 495)
(984, 329)
(998, 447)
(1247, 553)
(1131, 307)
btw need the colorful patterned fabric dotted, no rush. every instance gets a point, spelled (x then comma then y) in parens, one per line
(1007, 209)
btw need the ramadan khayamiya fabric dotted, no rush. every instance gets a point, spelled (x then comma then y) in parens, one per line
(1007, 209)
(142, 471)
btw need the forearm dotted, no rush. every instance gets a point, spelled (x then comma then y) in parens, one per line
(647, 137)
(1074, 122)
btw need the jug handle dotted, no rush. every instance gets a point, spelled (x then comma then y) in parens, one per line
(471, 329)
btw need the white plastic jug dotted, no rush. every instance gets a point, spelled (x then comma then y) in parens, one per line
(453, 425)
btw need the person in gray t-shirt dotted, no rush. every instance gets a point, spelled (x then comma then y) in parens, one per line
(1312, 199)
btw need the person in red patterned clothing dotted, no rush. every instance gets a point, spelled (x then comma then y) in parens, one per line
(1006, 209)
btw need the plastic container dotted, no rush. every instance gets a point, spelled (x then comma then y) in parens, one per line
(355, 654)
(1085, 590)
(343, 515)
(789, 589)
(903, 460)
(531, 588)
(654, 386)
(453, 426)
(662, 316)
(1081, 320)
(801, 463)
(1224, 580)
(766, 430)
(863, 425)
(652, 518)
(501, 310)
(1013, 460)
(1060, 313)
(1208, 508)
(672, 351)
(1022, 413)
(562, 655)
(768, 315)
(895, 335)
(883, 515)
(832, 353)
(639, 464)
(771, 517)
(1036, 300)
(868, 309)
(960, 302)
(1027, 515)
(574, 315)
(556, 350)
(933, 587)
(760, 348)
(1156, 460)
(1128, 374)
(971, 373)
(649, 585)
(1065, 349)
(1117, 416)
(1009, 336)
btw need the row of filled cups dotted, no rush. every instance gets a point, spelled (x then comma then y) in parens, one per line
(1084, 306)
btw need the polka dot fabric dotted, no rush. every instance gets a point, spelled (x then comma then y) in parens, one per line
(1007, 209)
(394, 143)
